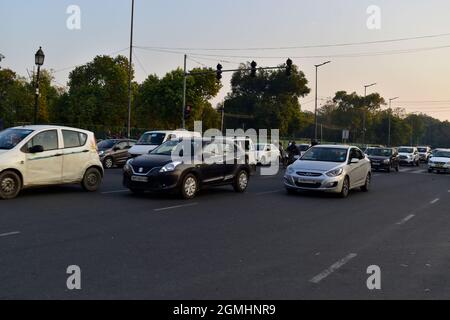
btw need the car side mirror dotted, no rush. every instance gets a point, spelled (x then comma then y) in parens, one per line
(36, 149)
(354, 161)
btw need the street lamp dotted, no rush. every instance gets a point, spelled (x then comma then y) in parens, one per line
(315, 112)
(130, 67)
(39, 58)
(364, 111)
(390, 115)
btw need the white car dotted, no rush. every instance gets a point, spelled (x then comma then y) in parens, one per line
(149, 141)
(33, 156)
(330, 168)
(409, 156)
(439, 161)
(267, 153)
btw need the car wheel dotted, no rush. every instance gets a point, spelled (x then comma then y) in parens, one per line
(366, 186)
(92, 180)
(241, 181)
(345, 188)
(10, 185)
(189, 187)
(108, 163)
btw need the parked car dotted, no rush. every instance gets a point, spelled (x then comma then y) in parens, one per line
(169, 168)
(440, 161)
(330, 168)
(409, 156)
(34, 156)
(267, 153)
(384, 159)
(151, 140)
(424, 153)
(114, 152)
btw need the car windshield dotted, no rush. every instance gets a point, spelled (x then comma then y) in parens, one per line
(106, 144)
(151, 139)
(12, 137)
(422, 149)
(379, 152)
(326, 154)
(406, 150)
(174, 147)
(442, 154)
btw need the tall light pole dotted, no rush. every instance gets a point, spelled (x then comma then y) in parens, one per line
(390, 116)
(130, 72)
(365, 110)
(315, 112)
(183, 115)
(39, 58)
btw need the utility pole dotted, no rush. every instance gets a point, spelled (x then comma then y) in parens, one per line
(130, 70)
(316, 98)
(184, 92)
(365, 111)
(390, 116)
(223, 117)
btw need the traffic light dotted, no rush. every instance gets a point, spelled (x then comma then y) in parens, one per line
(187, 112)
(219, 72)
(253, 71)
(288, 67)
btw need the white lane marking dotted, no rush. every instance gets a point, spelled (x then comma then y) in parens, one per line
(176, 207)
(115, 191)
(9, 234)
(324, 274)
(434, 201)
(405, 220)
(268, 192)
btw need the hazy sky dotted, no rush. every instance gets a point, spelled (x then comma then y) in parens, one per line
(421, 79)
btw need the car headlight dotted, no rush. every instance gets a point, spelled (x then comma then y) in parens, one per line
(170, 167)
(335, 173)
(387, 161)
(101, 153)
(290, 170)
(127, 166)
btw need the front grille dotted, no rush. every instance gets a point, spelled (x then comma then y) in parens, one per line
(145, 170)
(308, 185)
(439, 163)
(403, 157)
(308, 174)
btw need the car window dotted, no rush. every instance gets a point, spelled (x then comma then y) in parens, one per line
(122, 145)
(47, 139)
(74, 139)
(131, 143)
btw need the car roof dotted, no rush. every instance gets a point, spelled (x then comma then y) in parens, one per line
(48, 127)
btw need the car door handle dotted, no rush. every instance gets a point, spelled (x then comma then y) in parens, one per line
(85, 151)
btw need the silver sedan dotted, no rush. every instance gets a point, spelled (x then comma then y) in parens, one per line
(330, 168)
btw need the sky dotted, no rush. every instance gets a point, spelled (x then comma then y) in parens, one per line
(421, 78)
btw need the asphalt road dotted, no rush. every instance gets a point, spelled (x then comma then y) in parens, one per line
(264, 244)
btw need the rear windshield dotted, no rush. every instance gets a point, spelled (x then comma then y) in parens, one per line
(151, 139)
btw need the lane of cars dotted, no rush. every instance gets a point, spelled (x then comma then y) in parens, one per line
(184, 162)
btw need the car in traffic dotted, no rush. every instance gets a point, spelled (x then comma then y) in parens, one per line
(383, 159)
(186, 166)
(440, 161)
(267, 153)
(424, 153)
(37, 156)
(114, 152)
(409, 156)
(149, 141)
(330, 168)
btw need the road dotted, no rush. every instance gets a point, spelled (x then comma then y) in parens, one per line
(264, 244)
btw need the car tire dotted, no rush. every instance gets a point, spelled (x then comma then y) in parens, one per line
(10, 185)
(92, 180)
(366, 186)
(108, 163)
(241, 181)
(189, 187)
(345, 188)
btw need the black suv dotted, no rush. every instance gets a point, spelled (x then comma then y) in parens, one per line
(185, 166)
(384, 158)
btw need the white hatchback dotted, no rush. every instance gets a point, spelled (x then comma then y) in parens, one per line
(33, 156)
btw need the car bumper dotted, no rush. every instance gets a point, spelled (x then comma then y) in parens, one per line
(154, 182)
(322, 183)
(380, 165)
(407, 161)
(445, 168)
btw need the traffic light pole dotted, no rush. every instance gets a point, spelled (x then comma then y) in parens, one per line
(184, 93)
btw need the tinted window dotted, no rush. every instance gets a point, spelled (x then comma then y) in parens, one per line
(326, 154)
(47, 139)
(12, 137)
(74, 139)
(122, 145)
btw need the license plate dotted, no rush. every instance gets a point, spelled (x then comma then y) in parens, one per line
(306, 181)
(139, 179)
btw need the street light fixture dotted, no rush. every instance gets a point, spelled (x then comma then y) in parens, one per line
(315, 112)
(390, 116)
(365, 111)
(39, 58)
